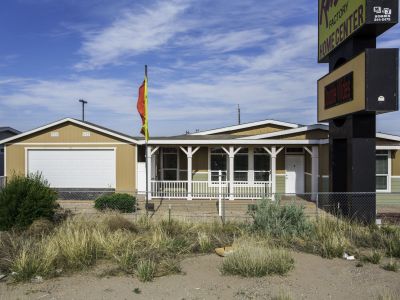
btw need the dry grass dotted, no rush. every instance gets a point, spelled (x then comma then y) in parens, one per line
(252, 258)
(158, 246)
(146, 248)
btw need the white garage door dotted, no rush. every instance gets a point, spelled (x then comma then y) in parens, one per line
(75, 168)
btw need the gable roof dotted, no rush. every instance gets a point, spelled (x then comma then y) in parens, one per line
(286, 132)
(10, 129)
(324, 127)
(247, 125)
(77, 122)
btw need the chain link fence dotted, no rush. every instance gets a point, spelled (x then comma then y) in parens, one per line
(220, 203)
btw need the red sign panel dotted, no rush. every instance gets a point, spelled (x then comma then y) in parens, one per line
(339, 91)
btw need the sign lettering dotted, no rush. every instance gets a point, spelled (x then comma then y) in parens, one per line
(338, 20)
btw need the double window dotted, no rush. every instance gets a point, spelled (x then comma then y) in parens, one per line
(382, 170)
(250, 165)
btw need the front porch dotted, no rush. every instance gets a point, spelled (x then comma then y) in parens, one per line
(230, 171)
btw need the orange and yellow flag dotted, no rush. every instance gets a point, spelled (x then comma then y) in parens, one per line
(142, 108)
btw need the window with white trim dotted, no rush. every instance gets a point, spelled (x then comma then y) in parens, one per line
(241, 165)
(218, 162)
(382, 170)
(170, 163)
(262, 165)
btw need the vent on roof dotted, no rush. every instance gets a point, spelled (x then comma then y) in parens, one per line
(85, 133)
(54, 134)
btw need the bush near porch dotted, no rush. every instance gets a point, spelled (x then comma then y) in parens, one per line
(123, 203)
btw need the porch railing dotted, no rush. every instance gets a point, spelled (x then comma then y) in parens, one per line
(210, 190)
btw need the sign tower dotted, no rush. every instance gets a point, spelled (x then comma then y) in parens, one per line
(362, 82)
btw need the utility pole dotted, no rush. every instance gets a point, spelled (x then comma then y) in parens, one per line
(83, 108)
(238, 114)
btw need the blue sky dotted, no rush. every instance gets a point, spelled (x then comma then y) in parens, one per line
(204, 58)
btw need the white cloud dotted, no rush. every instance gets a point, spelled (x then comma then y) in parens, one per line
(226, 41)
(135, 32)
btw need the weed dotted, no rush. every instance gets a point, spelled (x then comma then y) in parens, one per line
(145, 270)
(391, 266)
(374, 258)
(327, 239)
(205, 244)
(168, 266)
(137, 291)
(388, 296)
(282, 296)
(252, 260)
(118, 222)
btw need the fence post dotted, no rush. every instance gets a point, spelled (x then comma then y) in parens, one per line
(220, 203)
(316, 204)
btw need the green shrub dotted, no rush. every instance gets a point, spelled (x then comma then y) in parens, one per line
(122, 202)
(25, 199)
(279, 220)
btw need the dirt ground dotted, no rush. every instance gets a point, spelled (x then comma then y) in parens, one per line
(312, 278)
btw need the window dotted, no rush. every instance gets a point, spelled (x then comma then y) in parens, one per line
(382, 170)
(218, 161)
(170, 163)
(241, 165)
(262, 166)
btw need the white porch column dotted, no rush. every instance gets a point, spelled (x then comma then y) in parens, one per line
(315, 172)
(148, 181)
(231, 172)
(273, 153)
(273, 171)
(189, 172)
(189, 153)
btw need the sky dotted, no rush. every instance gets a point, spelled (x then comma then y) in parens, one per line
(204, 57)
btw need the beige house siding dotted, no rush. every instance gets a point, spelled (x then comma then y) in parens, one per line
(257, 130)
(280, 184)
(310, 135)
(396, 163)
(70, 136)
(68, 133)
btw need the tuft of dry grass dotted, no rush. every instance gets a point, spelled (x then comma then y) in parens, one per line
(373, 258)
(118, 222)
(391, 266)
(254, 259)
(145, 270)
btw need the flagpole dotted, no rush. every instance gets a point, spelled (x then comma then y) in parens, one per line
(147, 164)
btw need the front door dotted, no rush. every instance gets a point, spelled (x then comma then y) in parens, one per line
(294, 183)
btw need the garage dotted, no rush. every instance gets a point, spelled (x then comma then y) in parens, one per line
(74, 168)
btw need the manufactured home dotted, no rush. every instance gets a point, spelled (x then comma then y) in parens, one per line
(251, 160)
